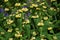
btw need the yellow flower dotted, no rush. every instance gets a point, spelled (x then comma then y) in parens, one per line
(34, 33)
(38, 0)
(34, 5)
(27, 21)
(2, 33)
(42, 3)
(41, 20)
(44, 7)
(9, 30)
(36, 13)
(9, 21)
(33, 38)
(10, 38)
(4, 17)
(35, 16)
(44, 10)
(5, 0)
(16, 28)
(40, 24)
(43, 39)
(18, 15)
(24, 4)
(17, 31)
(51, 8)
(24, 22)
(6, 9)
(31, 6)
(37, 8)
(17, 4)
(24, 9)
(12, 15)
(19, 10)
(49, 28)
(54, 9)
(50, 22)
(45, 18)
(42, 36)
(54, 37)
(18, 35)
(23, 25)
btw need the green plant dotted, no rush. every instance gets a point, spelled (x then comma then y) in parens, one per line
(34, 20)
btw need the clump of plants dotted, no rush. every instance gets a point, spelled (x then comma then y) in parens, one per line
(29, 20)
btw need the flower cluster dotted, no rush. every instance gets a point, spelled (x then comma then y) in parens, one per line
(36, 20)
